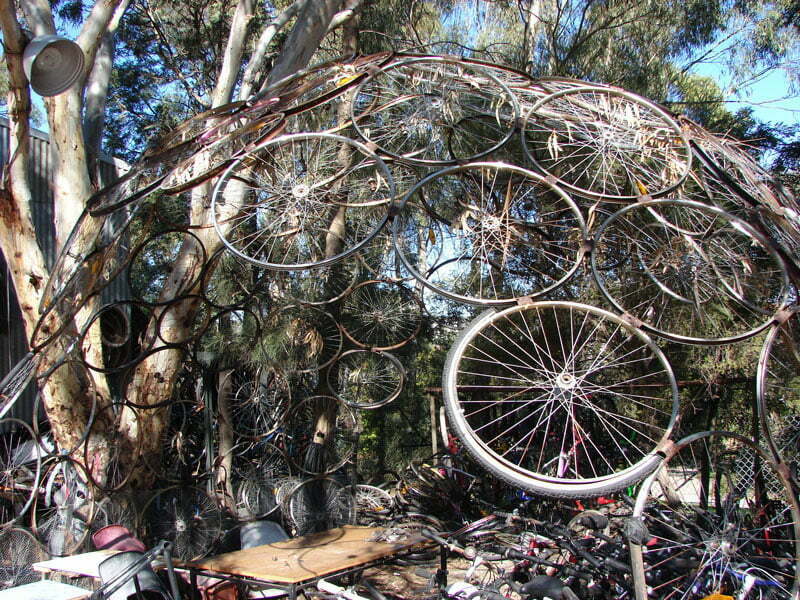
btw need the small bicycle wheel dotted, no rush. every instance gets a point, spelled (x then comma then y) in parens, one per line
(265, 468)
(303, 339)
(606, 143)
(560, 398)
(411, 109)
(229, 281)
(20, 468)
(489, 233)
(258, 404)
(301, 201)
(152, 263)
(321, 434)
(722, 284)
(19, 549)
(366, 379)
(320, 504)
(185, 516)
(112, 448)
(381, 315)
(64, 512)
(182, 452)
(711, 526)
(371, 503)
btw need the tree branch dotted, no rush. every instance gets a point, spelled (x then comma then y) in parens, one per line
(304, 39)
(96, 94)
(234, 49)
(257, 59)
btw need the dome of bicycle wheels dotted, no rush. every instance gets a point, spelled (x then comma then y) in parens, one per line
(577, 241)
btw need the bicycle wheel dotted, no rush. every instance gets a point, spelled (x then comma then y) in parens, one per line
(124, 345)
(19, 549)
(320, 504)
(20, 468)
(229, 281)
(778, 391)
(711, 533)
(366, 379)
(258, 404)
(315, 287)
(489, 233)
(181, 454)
(411, 108)
(64, 512)
(302, 339)
(722, 285)
(321, 435)
(151, 266)
(381, 315)
(16, 381)
(371, 503)
(301, 201)
(560, 398)
(606, 143)
(143, 177)
(265, 469)
(230, 334)
(112, 447)
(185, 516)
(214, 153)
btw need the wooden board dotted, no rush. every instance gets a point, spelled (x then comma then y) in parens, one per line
(307, 557)
(78, 565)
(44, 590)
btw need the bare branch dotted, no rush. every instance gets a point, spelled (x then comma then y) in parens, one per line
(232, 60)
(97, 90)
(264, 40)
(305, 37)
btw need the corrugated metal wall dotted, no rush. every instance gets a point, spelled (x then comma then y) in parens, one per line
(13, 341)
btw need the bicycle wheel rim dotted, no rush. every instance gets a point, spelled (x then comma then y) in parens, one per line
(295, 201)
(716, 542)
(558, 379)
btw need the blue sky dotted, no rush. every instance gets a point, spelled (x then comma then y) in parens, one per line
(769, 97)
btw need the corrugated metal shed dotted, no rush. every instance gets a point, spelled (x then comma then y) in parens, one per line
(13, 341)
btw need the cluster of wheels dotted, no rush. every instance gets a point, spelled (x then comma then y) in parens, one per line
(354, 196)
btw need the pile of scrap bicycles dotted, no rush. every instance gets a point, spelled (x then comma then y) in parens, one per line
(351, 204)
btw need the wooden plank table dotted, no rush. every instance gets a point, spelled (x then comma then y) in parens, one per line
(304, 559)
(77, 565)
(45, 590)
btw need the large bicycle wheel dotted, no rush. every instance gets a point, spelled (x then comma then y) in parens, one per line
(560, 398)
(489, 233)
(691, 272)
(712, 526)
(606, 143)
(434, 111)
(303, 200)
(778, 391)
